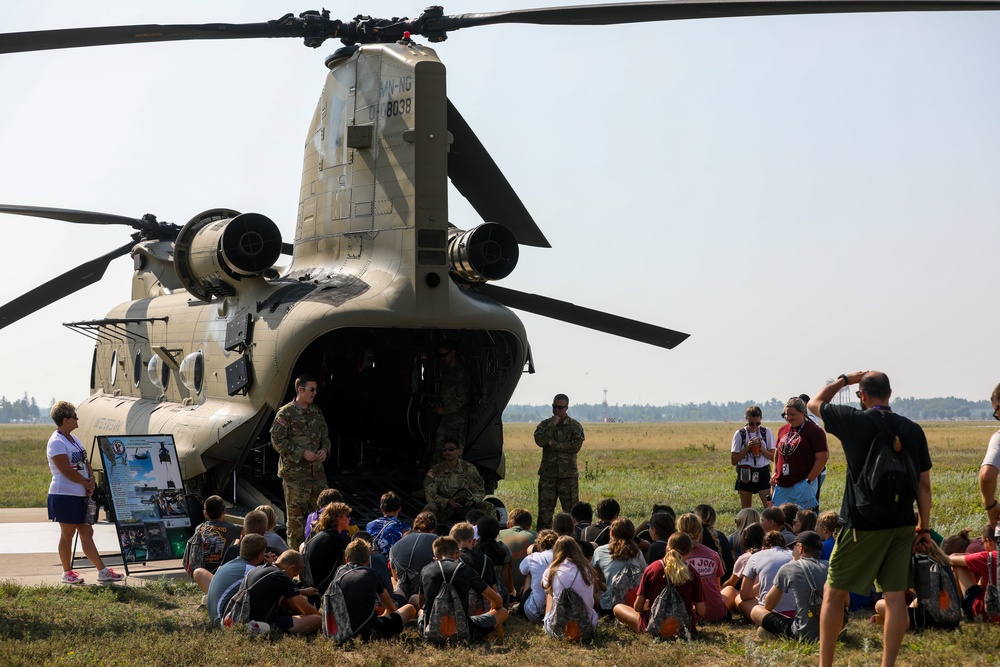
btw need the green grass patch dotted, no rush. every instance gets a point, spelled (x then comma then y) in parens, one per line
(639, 464)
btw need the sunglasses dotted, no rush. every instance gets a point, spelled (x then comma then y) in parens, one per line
(559, 407)
(995, 413)
(858, 393)
(451, 449)
(756, 423)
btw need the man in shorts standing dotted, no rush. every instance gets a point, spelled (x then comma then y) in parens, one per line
(868, 550)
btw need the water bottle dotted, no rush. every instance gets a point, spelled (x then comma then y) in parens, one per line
(91, 511)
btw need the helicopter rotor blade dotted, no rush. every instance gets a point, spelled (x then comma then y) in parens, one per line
(73, 215)
(312, 26)
(147, 225)
(584, 317)
(672, 10)
(73, 280)
(478, 178)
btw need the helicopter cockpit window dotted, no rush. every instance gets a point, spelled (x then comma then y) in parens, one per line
(159, 373)
(137, 368)
(114, 367)
(193, 372)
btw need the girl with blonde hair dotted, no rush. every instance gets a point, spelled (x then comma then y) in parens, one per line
(673, 568)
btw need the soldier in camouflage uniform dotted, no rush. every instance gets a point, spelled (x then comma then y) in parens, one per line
(454, 487)
(560, 438)
(300, 436)
(452, 404)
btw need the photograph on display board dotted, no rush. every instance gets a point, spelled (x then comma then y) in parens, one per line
(144, 482)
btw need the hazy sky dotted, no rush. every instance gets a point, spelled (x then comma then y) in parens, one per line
(805, 196)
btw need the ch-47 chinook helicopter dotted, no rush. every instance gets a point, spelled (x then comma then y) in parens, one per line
(216, 327)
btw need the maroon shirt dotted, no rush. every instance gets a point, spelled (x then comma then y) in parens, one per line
(654, 581)
(798, 448)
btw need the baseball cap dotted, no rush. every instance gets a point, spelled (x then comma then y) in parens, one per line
(809, 539)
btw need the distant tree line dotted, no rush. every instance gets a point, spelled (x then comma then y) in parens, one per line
(22, 410)
(927, 409)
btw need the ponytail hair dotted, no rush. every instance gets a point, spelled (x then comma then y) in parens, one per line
(675, 568)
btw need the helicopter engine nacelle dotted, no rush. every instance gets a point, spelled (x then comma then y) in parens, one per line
(486, 252)
(219, 248)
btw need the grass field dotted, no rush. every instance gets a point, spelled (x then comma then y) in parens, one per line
(639, 464)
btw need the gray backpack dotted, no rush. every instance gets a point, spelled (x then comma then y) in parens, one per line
(478, 604)
(937, 593)
(237, 611)
(625, 585)
(668, 615)
(447, 620)
(571, 617)
(336, 618)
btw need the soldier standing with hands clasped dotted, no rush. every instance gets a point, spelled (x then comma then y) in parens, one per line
(299, 434)
(560, 438)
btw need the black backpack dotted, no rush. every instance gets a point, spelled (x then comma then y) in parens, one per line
(887, 485)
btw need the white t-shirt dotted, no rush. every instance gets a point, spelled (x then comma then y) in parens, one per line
(567, 575)
(767, 442)
(61, 485)
(993, 452)
(535, 564)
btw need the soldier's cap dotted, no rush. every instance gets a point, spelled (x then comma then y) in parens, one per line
(810, 539)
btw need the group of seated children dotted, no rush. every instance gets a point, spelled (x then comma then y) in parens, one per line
(665, 579)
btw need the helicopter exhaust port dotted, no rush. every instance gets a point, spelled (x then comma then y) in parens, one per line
(218, 248)
(486, 252)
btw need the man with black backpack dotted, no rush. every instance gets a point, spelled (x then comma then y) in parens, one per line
(888, 468)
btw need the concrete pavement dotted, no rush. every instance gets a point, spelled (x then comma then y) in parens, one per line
(29, 545)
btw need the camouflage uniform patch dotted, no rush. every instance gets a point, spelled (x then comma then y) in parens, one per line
(454, 400)
(296, 430)
(558, 476)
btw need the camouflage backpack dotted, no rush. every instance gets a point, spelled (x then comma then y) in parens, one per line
(237, 611)
(668, 615)
(447, 620)
(624, 585)
(336, 618)
(478, 604)
(570, 619)
(936, 591)
(991, 598)
(194, 552)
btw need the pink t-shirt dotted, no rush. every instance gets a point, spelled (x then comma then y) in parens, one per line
(709, 567)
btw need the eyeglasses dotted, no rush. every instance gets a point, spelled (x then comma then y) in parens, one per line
(756, 423)
(75, 417)
(312, 390)
(559, 407)
(451, 449)
(786, 416)
(858, 393)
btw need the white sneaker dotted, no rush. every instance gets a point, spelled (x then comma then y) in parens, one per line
(258, 628)
(72, 578)
(109, 575)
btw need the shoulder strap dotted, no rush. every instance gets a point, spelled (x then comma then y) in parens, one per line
(743, 436)
(486, 564)
(805, 571)
(602, 533)
(384, 526)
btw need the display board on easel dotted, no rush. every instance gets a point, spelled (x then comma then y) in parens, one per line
(144, 484)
